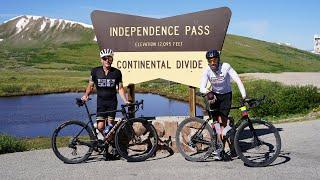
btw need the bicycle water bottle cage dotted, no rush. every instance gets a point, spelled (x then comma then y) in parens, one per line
(79, 102)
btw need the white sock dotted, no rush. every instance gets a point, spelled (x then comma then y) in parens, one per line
(217, 128)
(225, 130)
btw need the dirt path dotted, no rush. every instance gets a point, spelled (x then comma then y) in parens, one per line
(288, 78)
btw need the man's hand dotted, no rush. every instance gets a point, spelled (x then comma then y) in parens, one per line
(211, 97)
(85, 97)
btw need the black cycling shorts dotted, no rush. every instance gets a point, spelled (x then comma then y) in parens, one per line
(223, 104)
(103, 106)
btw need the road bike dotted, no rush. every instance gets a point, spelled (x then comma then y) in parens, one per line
(255, 141)
(135, 139)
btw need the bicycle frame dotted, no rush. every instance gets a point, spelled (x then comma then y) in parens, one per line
(125, 117)
(245, 117)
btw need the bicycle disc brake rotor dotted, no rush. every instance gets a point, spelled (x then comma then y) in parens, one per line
(193, 140)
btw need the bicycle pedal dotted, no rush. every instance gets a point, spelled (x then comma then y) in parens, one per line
(114, 151)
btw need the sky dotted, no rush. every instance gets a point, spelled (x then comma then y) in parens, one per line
(295, 22)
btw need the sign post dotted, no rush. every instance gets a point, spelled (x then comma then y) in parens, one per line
(192, 101)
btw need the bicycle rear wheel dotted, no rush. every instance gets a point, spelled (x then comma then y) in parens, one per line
(72, 142)
(260, 151)
(136, 140)
(193, 142)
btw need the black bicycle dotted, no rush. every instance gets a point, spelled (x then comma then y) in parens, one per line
(256, 142)
(135, 139)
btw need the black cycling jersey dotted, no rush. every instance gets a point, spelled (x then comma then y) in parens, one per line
(106, 84)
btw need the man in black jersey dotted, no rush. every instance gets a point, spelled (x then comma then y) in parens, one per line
(107, 80)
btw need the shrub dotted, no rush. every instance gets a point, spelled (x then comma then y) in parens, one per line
(11, 88)
(281, 100)
(10, 144)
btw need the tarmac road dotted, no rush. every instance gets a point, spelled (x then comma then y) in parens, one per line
(299, 159)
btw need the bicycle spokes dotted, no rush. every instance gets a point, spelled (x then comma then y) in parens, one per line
(72, 142)
(258, 144)
(194, 140)
(136, 139)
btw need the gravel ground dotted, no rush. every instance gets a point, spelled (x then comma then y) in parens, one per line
(288, 78)
(299, 159)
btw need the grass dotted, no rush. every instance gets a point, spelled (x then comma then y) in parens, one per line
(9, 144)
(251, 55)
(41, 82)
(281, 101)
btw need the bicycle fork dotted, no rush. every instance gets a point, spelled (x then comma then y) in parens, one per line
(255, 137)
(196, 138)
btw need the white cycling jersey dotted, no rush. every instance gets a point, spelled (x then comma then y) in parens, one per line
(220, 80)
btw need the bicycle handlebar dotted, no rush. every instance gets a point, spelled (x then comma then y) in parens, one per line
(80, 102)
(251, 102)
(136, 104)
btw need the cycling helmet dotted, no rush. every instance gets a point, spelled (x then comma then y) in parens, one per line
(212, 54)
(106, 52)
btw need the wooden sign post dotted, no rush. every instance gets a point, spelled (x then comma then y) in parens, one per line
(192, 101)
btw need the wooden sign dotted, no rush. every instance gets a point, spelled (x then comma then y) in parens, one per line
(171, 48)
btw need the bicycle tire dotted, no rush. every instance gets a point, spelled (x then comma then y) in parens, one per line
(63, 142)
(185, 145)
(245, 144)
(136, 140)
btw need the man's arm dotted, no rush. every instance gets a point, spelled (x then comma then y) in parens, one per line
(122, 93)
(88, 91)
(203, 84)
(234, 75)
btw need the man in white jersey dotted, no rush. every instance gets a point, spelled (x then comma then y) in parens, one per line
(219, 74)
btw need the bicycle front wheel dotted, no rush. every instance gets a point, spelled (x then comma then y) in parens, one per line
(260, 150)
(194, 139)
(136, 140)
(72, 142)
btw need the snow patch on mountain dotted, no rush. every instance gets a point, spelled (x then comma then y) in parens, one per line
(21, 24)
(43, 25)
(24, 20)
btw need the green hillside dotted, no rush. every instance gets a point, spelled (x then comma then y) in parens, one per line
(65, 67)
(251, 55)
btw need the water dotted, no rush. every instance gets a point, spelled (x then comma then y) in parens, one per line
(31, 116)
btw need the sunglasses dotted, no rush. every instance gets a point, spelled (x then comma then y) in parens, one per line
(105, 58)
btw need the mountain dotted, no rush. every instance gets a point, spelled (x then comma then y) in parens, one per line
(37, 30)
